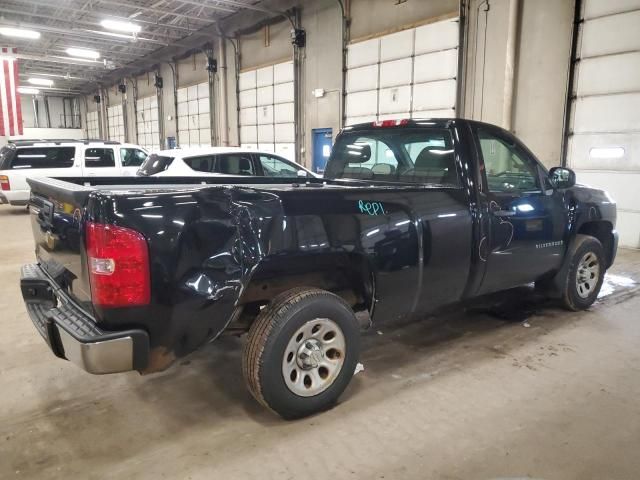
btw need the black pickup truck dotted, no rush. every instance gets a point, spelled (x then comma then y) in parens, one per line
(133, 273)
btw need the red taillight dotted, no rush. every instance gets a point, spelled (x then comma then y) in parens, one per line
(390, 123)
(118, 266)
(4, 181)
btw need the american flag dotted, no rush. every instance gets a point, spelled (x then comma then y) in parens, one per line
(10, 110)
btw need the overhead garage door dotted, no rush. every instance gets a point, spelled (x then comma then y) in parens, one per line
(147, 123)
(267, 109)
(604, 146)
(194, 121)
(93, 125)
(116, 123)
(408, 74)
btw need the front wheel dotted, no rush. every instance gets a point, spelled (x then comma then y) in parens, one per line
(301, 352)
(585, 273)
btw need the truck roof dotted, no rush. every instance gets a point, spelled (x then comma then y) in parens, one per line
(438, 122)
(402, 123)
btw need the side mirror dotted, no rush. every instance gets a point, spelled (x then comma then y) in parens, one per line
(302, 173)
(562, 177)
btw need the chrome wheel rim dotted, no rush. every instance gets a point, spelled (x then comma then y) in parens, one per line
(314, 357)
(587, 275)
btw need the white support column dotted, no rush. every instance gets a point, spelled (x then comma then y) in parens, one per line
(510, 65)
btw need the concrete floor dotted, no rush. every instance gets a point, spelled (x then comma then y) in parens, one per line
(509, 388)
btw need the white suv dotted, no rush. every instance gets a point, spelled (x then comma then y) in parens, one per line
(24, 159)
(217, 161)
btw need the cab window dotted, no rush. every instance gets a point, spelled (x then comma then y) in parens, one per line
(99, 157)
(132, 157)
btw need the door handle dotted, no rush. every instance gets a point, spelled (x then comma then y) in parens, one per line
(503, 213)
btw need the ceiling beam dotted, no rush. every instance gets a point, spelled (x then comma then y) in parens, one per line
(66, 78)
(87, 37)
(248, 6)
(110, 56)
(168, 37)
(157, 10)
(127, 38)
(40, 3)
(61, 68)
(181, 17)
(206, 5)
(57, 75)
(57, 89)
(54, 59)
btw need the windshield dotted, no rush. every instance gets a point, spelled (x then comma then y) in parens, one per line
(154, 164)
(423, 155)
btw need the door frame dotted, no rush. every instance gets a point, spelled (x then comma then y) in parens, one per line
(488, 197)
(314, 132)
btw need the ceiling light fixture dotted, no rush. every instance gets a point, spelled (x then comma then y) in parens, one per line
(19, 33)
(83, 53)
(28, 91)
(120, 26)
(45, 82)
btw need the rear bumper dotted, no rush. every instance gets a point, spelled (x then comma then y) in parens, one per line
(73, 334)
(16, 197)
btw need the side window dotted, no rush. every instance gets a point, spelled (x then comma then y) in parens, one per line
(155, 164)
(235, 164)
(132, 157)
(508, 168)
(204, 163)
(276, 167)
(43, 157)
(99, 157)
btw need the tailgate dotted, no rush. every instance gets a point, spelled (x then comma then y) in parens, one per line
(56, 218)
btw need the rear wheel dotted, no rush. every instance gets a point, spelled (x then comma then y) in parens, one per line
(301, 352)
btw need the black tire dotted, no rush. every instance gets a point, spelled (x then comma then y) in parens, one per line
(271, 335)
(571, 296)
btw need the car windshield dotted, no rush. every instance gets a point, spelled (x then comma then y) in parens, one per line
(155, 164)
(424, 155)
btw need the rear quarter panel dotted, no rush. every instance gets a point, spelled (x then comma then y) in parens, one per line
(195, 263)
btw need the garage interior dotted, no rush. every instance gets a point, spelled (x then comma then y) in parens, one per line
(508, 387)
